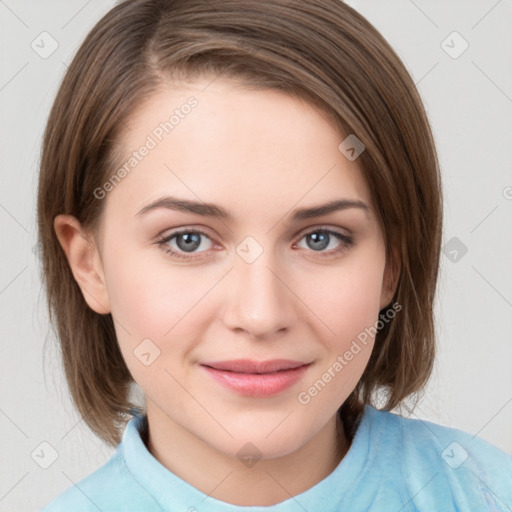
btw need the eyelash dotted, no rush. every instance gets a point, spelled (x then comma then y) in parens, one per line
(347, 242)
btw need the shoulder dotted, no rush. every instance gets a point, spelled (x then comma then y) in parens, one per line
(110, 487)
(451, 463)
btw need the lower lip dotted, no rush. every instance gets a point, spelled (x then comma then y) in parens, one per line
(257, 384)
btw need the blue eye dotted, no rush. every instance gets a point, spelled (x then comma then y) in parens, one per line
(186, 242)
(320, 239)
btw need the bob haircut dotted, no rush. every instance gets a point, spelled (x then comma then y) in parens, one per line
(321, 51)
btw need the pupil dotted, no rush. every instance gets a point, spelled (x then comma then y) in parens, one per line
(188, 241)
(319, 240)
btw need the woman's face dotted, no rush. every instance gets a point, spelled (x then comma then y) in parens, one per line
(256, 274)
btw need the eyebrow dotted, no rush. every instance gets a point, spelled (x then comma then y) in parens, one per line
(215, 211)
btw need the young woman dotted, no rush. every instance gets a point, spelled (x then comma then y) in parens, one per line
(240, 213)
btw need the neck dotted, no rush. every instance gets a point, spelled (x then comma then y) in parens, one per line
(264, 483)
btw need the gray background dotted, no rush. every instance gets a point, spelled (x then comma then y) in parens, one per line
(468, 97)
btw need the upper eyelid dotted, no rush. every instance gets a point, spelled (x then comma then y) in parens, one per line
(179, 231)
(346, 242)
(202, 231)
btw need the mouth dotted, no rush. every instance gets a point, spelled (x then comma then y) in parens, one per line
(256, 378)
(255, 367)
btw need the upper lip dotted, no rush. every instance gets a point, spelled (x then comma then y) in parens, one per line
(249, 366)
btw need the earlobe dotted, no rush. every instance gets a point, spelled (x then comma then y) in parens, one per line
(84, 260)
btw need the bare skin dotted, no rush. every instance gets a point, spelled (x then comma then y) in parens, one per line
(260, 155)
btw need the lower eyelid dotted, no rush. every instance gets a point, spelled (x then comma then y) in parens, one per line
(171, 236)
(346, 242)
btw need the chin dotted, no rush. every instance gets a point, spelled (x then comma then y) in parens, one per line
(257, 443)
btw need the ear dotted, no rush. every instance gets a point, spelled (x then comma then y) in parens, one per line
(390, 279)
(84, 260)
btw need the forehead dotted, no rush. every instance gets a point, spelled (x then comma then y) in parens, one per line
(254, 151)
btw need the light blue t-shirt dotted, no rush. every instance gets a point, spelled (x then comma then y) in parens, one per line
(394, 464)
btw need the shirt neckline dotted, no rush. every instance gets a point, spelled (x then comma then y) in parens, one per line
(169, 490)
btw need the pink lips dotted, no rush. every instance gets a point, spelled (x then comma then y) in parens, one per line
(256, 378)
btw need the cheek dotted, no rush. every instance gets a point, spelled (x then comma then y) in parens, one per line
(167, 305)
(348, 301)
(349, 307)
(158, 316)
(149, 296)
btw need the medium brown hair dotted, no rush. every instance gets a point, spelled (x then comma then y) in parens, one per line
(322, 51)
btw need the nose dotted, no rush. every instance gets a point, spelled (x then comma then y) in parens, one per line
(259, 302)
